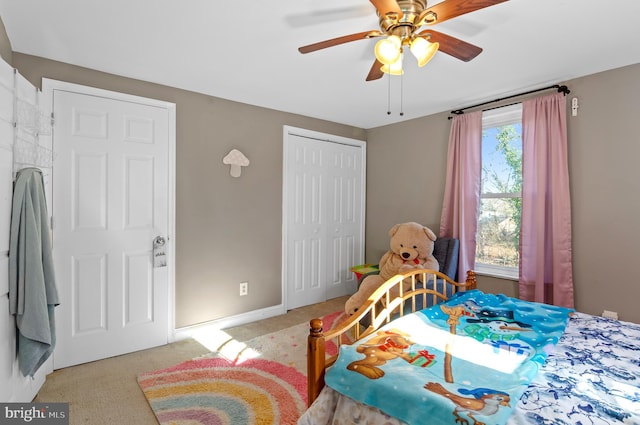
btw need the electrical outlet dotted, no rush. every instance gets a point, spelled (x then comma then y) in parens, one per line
(244, 288)
(610, 314)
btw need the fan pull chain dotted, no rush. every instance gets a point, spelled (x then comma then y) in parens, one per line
(401, 94)
(388, 94)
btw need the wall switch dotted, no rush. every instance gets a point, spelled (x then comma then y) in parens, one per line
(244, 288)
(610, 314)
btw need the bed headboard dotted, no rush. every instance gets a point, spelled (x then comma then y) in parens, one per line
(389, 301)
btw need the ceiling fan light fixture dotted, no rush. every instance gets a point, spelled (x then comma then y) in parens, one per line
(423, 50)
(394, 68)
(388, 49)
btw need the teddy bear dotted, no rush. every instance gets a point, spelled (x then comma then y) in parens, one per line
(411, 247)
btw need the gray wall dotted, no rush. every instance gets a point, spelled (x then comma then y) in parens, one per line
(228, 230)
(406, 171)
(5, 44)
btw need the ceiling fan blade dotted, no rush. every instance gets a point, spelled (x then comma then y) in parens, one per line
(386, 7)
(338, 40)
(449, 9)
(452, 46)
(375, 73)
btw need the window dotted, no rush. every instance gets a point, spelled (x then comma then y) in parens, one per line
(498, 237)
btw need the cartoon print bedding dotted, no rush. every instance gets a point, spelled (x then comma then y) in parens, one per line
(592, 377)
(467, 360)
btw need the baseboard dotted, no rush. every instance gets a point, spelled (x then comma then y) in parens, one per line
(228, 322)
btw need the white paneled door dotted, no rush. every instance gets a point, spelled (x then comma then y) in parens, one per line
(111, 199)
(324, 215)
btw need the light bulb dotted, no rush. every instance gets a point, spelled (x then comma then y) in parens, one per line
(388, 49)
(423, 50)
(394, 68)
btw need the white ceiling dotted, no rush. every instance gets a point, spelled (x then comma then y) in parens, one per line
(247, 50)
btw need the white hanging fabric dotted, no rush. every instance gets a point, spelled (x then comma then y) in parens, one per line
(30, 124)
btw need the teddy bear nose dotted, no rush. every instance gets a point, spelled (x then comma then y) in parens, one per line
(405, 255)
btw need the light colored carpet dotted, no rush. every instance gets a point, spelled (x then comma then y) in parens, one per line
(260, 382)
(106, 392)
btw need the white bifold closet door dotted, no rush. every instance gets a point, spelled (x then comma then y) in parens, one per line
(323, 215)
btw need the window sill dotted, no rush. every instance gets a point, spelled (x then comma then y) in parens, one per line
(510, 273)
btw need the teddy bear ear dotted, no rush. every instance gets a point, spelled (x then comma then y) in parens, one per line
(394, 230)
(430, 233)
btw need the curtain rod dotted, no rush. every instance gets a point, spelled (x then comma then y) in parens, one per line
(563, 89)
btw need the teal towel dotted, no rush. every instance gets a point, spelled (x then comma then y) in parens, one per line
(32, 288)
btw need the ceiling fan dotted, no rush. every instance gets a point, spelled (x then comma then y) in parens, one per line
(401, 22)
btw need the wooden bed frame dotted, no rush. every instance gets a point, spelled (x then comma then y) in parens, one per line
(385, 304)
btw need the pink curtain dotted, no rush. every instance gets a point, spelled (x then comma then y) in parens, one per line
(461, 203)
(545, 253)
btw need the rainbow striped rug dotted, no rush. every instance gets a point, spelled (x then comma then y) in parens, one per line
(216, 391)
(270, 389)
